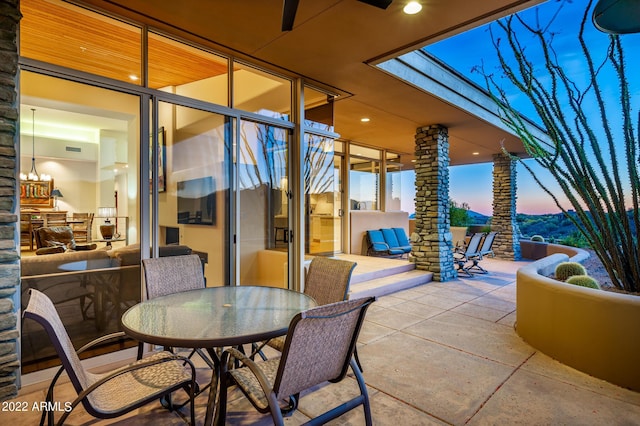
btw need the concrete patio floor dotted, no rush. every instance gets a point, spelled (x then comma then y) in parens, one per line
(435, 354)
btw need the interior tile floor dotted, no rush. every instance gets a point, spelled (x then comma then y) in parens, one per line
(435, 354)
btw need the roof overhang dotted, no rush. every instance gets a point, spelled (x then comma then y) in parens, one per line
(333, 44)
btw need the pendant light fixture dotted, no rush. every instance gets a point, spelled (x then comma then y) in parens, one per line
(33, 173)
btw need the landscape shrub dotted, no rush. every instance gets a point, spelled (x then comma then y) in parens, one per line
(583, 281)
(565, 270)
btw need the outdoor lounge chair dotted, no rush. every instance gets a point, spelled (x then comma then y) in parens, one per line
(115, 393)
(318, 348)
(470, 253)
(378, 246)
(487, 244)
(474, 253)
(403, 239)
(396, 238)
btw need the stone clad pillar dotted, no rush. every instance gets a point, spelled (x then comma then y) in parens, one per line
(432, 247)
(506, 245)
(9, 267)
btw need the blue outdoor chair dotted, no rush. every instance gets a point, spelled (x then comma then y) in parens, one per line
(378, 246)
(403, 240)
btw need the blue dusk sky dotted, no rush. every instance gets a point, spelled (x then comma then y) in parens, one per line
(473, 184)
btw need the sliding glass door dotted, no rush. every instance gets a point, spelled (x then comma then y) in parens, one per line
(82, 141)
(264, 233)
(193, 167)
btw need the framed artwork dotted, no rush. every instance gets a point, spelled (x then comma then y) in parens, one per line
(162, 184)
(36, 194)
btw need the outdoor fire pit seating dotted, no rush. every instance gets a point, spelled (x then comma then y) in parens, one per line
(387, 242)
(318, 348)
(117, 392)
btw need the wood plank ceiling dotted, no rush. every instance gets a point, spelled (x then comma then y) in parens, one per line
(65, 36)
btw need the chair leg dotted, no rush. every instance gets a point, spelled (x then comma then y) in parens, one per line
(363, 391)
(355, 355)
(140, 350)
(477, 267)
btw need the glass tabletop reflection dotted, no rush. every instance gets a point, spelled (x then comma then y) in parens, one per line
(215, 316)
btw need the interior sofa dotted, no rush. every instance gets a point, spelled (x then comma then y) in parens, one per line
(104, 278)
(90, 289)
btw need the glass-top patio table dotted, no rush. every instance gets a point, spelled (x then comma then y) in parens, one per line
(215, 317)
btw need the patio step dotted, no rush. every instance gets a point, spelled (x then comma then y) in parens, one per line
(389, 284)
(378, 268)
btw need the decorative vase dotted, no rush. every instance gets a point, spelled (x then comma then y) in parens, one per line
(107, 230)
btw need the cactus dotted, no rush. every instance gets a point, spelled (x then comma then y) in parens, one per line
(583, 281)
(538, 238)
(565, 270)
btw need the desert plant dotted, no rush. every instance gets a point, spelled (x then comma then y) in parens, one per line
(459, 214)
(576, 239)
(538, 238)
(565, 270)
(592, 148)
(583, 281)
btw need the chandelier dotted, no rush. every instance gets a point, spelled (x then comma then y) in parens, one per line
(33, 173)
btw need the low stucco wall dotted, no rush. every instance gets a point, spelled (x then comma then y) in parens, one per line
(593, 331)
(537, 250)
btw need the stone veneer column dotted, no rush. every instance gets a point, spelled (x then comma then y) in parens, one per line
(506, 244)
(9, 267)
(432, 247)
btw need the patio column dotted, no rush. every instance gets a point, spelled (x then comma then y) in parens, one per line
(506, 245)
(9, 268)
(432, 248)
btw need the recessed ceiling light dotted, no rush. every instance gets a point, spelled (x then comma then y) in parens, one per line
(476, 153)
(133, 77)
(365, 119)
(412, 8)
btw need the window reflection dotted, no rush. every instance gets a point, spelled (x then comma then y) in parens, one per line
(261, 92)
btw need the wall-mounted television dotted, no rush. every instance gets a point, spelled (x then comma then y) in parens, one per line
(197, 201)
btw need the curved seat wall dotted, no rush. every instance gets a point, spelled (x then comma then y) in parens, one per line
(593, 331)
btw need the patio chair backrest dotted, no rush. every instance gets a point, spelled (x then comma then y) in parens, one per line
(328, 279)
(487, 243)
(319, 346)
(376, 241)
(401, 235)
(390, 237)
(473, 248)
(42, 310)
(172, 274)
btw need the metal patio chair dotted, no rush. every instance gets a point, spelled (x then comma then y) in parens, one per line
(117, 392)
(327, 282)
(174, 274)
(469, 253)
(318, 348)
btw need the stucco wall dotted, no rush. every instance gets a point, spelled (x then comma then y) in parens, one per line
(361, 221)
(591, 330)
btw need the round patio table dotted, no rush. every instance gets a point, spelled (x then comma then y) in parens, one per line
(215, 317)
